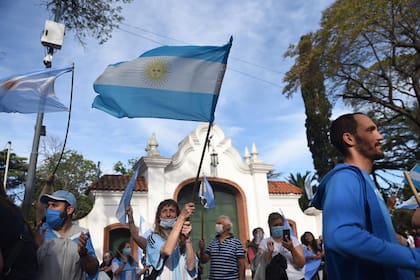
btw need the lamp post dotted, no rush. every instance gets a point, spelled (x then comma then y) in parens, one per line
(53, 40)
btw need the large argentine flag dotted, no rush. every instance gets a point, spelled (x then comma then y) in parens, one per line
(31, 93)
(171, 82)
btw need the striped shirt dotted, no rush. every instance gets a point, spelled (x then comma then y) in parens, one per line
(224, 258)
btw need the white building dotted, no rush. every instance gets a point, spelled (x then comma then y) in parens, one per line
(240, 184)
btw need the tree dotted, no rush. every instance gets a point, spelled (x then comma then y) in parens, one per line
(16, 170)
(307, 74)
(95, 19)
(302, 181)
(370, 55)
(125, 169)
(73, 173)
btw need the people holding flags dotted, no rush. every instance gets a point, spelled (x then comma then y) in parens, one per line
(169, 248)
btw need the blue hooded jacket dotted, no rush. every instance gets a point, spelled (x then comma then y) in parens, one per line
(359, 239)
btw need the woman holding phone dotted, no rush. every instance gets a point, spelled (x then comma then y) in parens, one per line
(283, 242)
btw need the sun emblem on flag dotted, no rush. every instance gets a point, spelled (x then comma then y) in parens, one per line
(9, 84)
(156, 72)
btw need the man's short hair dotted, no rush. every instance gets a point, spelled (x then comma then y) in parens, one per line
(343, 124)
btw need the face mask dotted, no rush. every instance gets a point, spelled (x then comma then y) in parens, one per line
(277, 231)
(167, 223)
(259, 235)
(219, 228)
(127, 251)
(54, 218)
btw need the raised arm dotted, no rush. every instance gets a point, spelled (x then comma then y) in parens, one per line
(170, 244)
(40, 207)
(140, 240)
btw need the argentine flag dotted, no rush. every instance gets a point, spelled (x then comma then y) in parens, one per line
(415, 176)
(31, 93)
(206, 194)
(171, 82)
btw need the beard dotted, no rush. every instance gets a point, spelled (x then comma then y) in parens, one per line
(369, 150)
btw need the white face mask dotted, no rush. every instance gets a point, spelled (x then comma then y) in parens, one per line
(167, 223)
(219, 228)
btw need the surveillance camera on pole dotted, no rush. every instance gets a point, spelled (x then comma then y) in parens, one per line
(52, 38)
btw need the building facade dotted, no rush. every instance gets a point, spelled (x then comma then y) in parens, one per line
(240, 185)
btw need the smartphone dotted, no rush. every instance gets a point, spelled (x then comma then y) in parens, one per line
(286, 234)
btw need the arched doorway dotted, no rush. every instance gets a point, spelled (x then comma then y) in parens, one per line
(115, 234)
(229, 200)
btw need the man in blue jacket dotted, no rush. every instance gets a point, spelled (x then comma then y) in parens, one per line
(360, 241)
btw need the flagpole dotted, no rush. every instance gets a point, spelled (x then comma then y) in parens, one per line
(195, 188)
(202, 221)
(217, 91)
(413, 189)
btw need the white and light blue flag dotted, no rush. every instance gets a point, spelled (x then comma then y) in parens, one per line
(206, 193)
(31, 93)
(415, 176)
(126, 197)
(170, 82)
(410, 204)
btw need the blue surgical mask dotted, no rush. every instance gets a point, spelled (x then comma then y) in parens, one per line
(167, 223)
(277, 231)
(127, 251)
(54, 218)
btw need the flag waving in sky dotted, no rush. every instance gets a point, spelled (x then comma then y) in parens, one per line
(206, 193)
(171, 82)
(31, 93)
(126, 197)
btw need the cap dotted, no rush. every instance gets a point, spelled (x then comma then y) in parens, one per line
(60, 195)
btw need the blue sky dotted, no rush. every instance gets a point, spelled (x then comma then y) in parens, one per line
(251, 108)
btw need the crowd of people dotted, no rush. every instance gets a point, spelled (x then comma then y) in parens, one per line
(358, 239)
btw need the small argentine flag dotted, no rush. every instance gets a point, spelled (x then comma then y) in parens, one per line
(206, 194)
(170, 82)
(32, 92)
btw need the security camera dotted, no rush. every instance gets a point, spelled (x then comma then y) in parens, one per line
(48, 60)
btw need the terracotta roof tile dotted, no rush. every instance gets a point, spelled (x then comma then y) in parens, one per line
(118, 183)
(280, 187)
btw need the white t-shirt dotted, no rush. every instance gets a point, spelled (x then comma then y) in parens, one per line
(293, 272)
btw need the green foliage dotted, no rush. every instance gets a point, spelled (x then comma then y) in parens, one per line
(302, 181)
(125, 169)
(371, 56)
(95, 19)
(74, 174)
(16, 170)
(368, 55)
(307, 74)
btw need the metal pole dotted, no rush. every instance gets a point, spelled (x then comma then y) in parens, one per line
(35, 144)
(32, 166)
(9, 147)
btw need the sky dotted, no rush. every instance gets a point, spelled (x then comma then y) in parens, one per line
(251, 107)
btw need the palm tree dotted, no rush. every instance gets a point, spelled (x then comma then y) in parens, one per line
(305, 183)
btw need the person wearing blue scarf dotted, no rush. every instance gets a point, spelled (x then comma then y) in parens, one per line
(360, 241)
